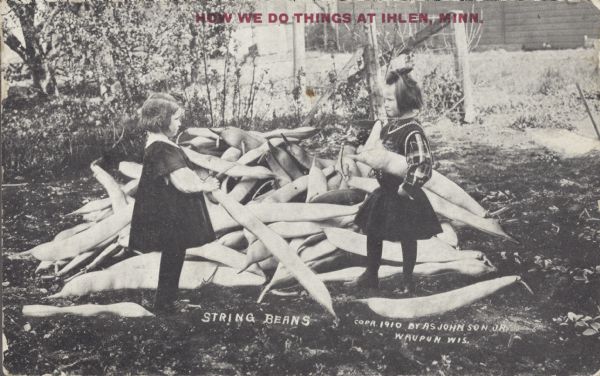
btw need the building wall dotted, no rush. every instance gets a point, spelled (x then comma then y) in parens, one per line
(511, 24)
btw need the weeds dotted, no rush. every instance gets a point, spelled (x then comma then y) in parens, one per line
(584, 325)
(442, 94)
(551, 81)
(534, 121)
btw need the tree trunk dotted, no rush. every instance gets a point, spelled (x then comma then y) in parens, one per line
(38, 74)
(30, 51)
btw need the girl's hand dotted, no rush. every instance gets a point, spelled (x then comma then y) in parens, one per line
(375, 157)
(403, 193)
(211, 184)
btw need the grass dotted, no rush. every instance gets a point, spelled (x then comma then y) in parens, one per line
(546, 196)
(95, 345)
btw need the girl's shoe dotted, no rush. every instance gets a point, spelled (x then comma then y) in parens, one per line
(169, 308)
(365, 280)
(409, 288)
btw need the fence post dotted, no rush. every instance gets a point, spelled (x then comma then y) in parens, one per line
(463, 71)
(503, 10)
(336, 28)
(597, 49)
(370, 57)
(325, 25)
(299, 52)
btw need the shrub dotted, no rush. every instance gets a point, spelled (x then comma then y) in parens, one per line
(442, 95)
(65, 134)
(353, 98)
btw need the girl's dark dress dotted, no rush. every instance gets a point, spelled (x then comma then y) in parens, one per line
(165, 219)
(385, 215)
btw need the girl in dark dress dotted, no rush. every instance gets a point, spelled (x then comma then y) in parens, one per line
(399, 210)
(170, 213)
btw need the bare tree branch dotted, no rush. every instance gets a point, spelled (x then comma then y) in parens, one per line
(14, 44)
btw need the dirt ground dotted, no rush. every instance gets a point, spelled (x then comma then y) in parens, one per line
(553, 210)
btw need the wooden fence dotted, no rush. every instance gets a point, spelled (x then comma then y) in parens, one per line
(506, 24)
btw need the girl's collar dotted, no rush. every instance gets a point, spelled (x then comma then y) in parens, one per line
(406, 115)
(397, 123)
(154, 137)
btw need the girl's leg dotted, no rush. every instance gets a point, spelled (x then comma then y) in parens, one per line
(409, 259)
(370, 277)
(374, 250)
(171, 263)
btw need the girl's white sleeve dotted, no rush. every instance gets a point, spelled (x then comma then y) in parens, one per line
(186, 180)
